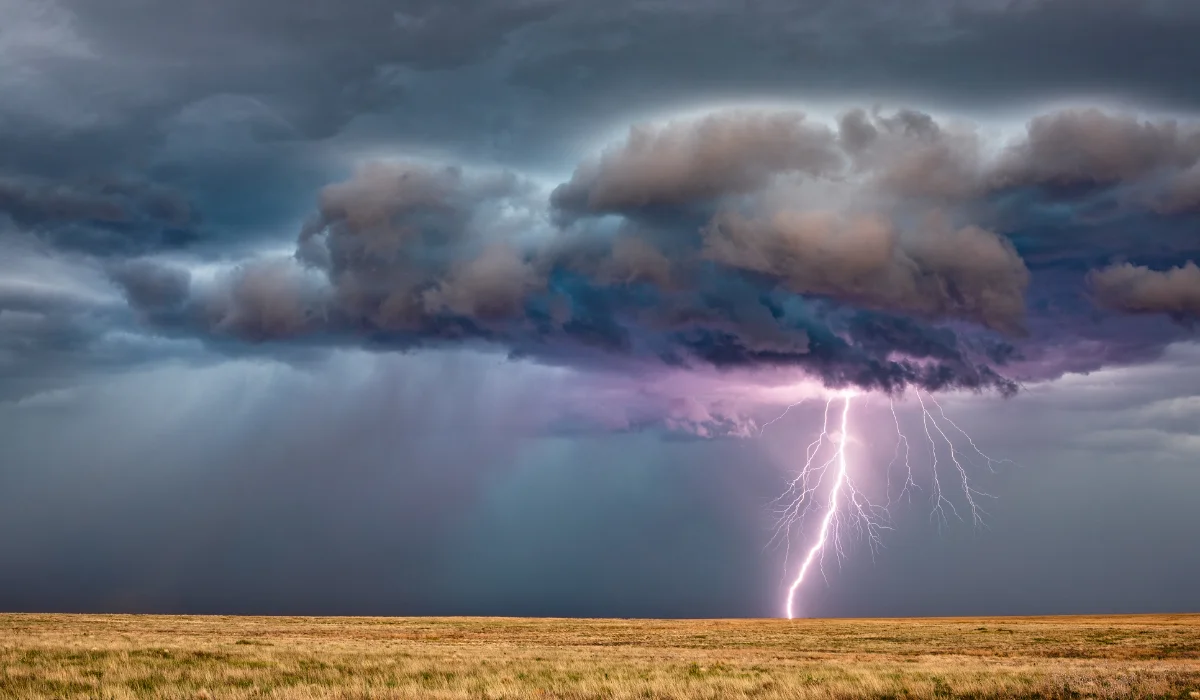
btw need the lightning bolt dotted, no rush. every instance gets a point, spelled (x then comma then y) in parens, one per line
(780, 416)
(839, 480)
(846, 507)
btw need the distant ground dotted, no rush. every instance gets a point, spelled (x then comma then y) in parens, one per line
(119, 656)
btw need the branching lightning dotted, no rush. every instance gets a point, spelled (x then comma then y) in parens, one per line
(847, 507)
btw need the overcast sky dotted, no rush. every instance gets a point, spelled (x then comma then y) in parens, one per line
(486, 307)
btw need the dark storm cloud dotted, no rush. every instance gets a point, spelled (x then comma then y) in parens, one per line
(740, 238)
(37, 202)
(151, 286)
(410, 254)
(743, 237)
(97, 81)
(423, 33)
(936, 49)
(62, 319)
(100, 215)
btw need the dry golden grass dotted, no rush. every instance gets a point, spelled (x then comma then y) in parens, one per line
(117, 656)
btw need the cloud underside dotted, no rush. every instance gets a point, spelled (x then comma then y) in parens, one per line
(880, 252)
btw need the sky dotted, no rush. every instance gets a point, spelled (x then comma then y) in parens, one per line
(533, 307)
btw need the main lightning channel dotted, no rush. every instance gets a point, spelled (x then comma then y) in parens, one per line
(847, 505)
(840, 479)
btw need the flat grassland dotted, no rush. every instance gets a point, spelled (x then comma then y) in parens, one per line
(122, 656)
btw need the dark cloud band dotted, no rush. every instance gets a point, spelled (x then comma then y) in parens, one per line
(741, 238)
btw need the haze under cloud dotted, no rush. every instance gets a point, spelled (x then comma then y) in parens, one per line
(403, 306)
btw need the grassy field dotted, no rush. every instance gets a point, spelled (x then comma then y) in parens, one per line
(117, 656)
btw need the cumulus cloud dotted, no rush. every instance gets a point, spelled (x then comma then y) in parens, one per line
(493, 285)
(940, 272)
(401, 243)
(815, 252)
(971, 273)
(686, 162)
(406, 255)
(910, 154)
(634, 260)
(904, 154)
(1093, 148)
(1141, 290)
(263, 300)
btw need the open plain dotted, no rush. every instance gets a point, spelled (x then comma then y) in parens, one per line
(125, 656)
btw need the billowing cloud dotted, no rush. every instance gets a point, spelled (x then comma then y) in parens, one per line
(1091, 148)
(882, 253)
(910, 154)
(405, 244)
(1140, 290)
(495, 284)
(879, 248)
(408, 254)
(695, 161)
(966, 273)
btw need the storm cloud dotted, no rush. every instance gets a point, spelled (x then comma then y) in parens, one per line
(748, 238)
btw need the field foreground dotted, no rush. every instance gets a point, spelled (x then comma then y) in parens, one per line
(120, 656)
